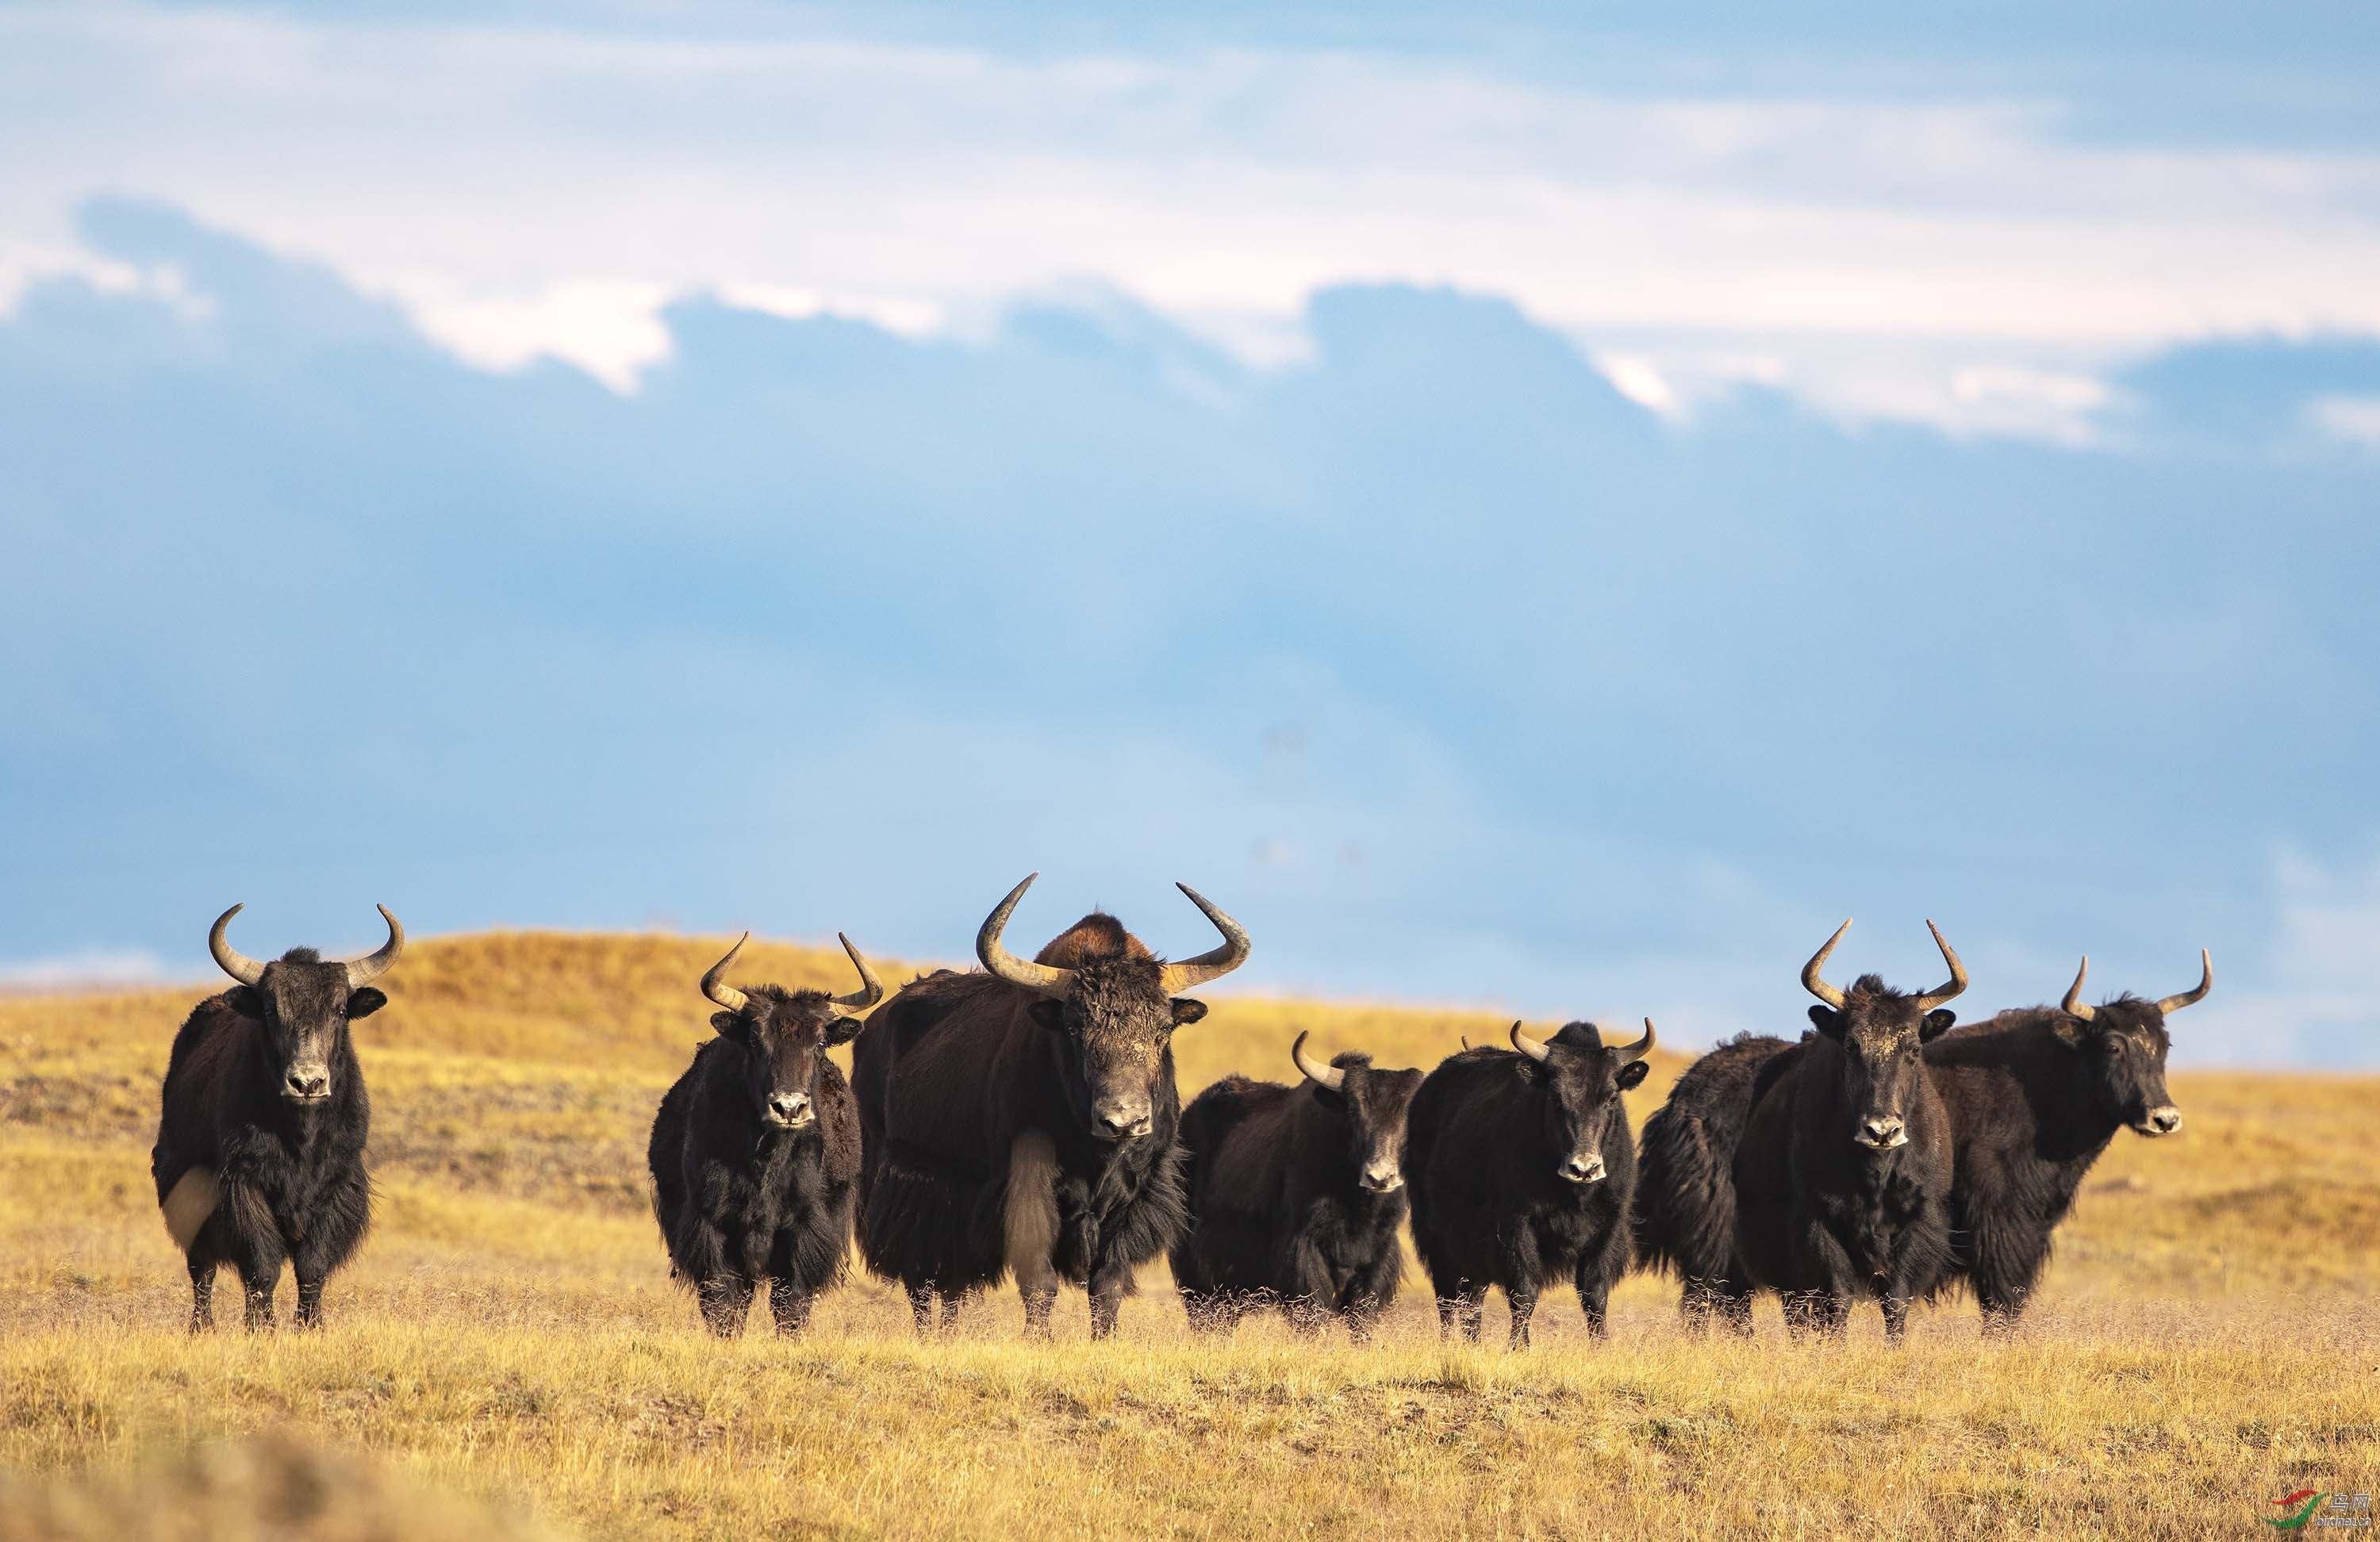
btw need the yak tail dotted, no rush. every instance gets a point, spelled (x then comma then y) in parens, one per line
(1029, 1211)
(1685, 1198)
(193, 1199)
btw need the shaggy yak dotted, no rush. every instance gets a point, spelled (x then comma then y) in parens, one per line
(2034, 1096)
(260, 1154)
(755, 1152)
(1023, 1121)
(1295, 1195)
(1842, 1179)
(1522, 1169)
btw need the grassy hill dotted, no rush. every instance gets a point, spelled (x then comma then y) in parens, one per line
(2208, 1339)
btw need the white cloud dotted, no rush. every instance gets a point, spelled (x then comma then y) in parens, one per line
(2353, 419)
(535, 192)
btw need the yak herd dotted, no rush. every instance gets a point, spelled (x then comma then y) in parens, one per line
(1022, 1122)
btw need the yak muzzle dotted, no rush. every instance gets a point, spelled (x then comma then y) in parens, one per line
(791, 1110)
(1380, 1179)
(306, 1084)
(2163, 1120)
(1581, 1170)
(1882, 1135)
(1120, 1122)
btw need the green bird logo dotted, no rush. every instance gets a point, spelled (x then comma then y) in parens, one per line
(2297, 1521)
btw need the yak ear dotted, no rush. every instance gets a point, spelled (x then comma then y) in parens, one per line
(364, 1002)
(843, 1030)
(1937, 1023)
(1632, 1073)
(1049, 1013)
(244, 999)
(1186, 1011)
(1829, 1022)
(730, 1025)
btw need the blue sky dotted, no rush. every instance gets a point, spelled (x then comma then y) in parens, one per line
(1523, 507)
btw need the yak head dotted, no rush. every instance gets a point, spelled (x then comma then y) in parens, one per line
(1374, 1103)
(305, 1003)
(1583, 1080)
(1883, 1034)
(786, 1034)
(2123, 1044)
(1111, 1007)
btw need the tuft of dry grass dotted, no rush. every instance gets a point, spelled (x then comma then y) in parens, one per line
(2207, 1339)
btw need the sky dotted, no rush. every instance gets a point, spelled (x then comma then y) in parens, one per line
(1545, 507)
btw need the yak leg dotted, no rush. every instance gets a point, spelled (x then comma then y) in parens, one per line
(791, 1306)
(921, 1309)
(1598, 1270)
(2004, 1273)
(202, 1297)
(1896, 1314)
(1109, 1283)
(1524, 1303)
(309, 1301)
(726, 1298)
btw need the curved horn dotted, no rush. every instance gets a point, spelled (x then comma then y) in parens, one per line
(230, 959)
(2074, 1006)
(1058, 983)
(1810, 980)
(1639, 1050)
(1314, 1071)
(371, 966)
(1529, 1047)
(1957, 981)
(1190, 974)
(870, 991)
(2205, 984)
(714, 980)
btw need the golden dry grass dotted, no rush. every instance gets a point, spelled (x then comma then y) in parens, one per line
(2208, 1339)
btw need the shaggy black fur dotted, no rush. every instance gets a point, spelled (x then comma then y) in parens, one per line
(1487, 1139)
(288, 1176)
(1280, 1212)
(1821, 1218)
(743, 1195)
(1685, 1178)
(957, 1068)
(2033, 1096)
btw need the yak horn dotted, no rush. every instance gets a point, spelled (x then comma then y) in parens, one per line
(2205, 984)
(1330, 1077)
(1810, 980)
(714, 980)
(230, 959)
(1193, 972)
(1639, 1050)
(371, 966)
(1529, 1047)
(870, 991)
(1957, 982)
(1041, 978)
(2074, 1006)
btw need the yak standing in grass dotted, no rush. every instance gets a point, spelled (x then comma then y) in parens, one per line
(1295, 1195)
(259, 1155)
(755, 1152)
(2034, 1096)
(1842, 1179)
(1521, 1170)
(1685, 1178)
(1023, 1121)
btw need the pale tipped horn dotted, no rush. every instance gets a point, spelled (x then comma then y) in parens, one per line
(1950, 989)
(714, 980)
(1639, 1050)
(1810, 980)
(1048, 981)
(2074, 1006)
(1192, 973)
(230, 959)
(2205, 984)
(870, 991)
(1327, 1077)
(371, 966)
(1529, 1047)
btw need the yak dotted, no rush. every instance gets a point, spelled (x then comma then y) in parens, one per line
(1843, 1178)
(1521, 1170)
(260, 1154)
(1684, 1213)
(1296, 1193)
(2034, 1095)
(755, 1151)
(1023, 1121)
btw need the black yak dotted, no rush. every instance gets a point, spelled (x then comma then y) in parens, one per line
(1023, 1121)
(2034, 1096)
(1685, 1180)
(260, 1154)
(1295, 1195)
(755, 1152)
(1842, 1179)
(1522, 1169)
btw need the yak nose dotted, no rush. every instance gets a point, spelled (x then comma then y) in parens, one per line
(1583, 1170)
(1382, 1178)
(790, 1108)
(1118, 1123)
(306, 1083)
(2163, 1120)
(1884, 1133)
